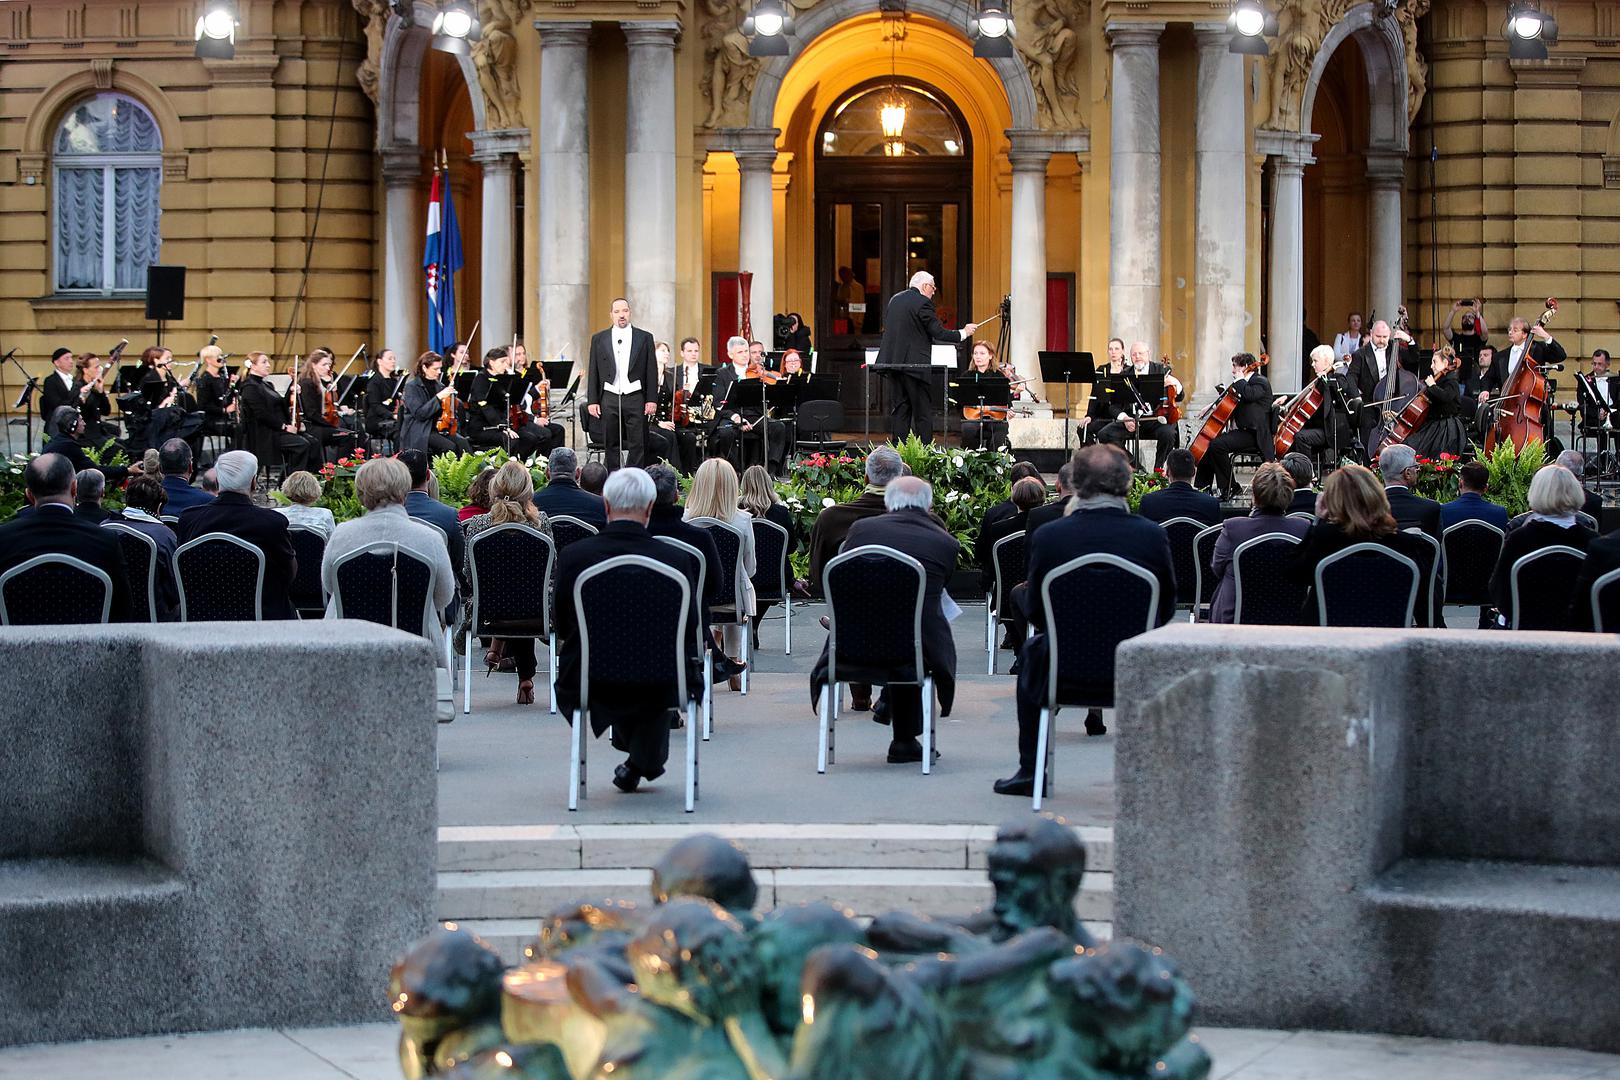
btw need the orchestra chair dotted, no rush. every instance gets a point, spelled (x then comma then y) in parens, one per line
(140, 562)
(1472, 550)
(1183, 532)
(1437, 574)
(1008, 558)
(813, 427)
(449, 625)
(307, 594)
(512, 569)
(705, 657)
(1092, 604)
(1541, 585)
(1263, 594)
(221, 579)
(773, 579)
(1605, 600)
(874, 635)
(1204, 570)
(633, 615)
(386, 584)
(1366, 585)
(565, 529)
(54, 590)
(728, 540)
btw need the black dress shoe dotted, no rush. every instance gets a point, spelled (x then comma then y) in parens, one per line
(863, 704)
(725, 667)
(905, 751)
(1094, 723)
(1019, 783)
(626, 779)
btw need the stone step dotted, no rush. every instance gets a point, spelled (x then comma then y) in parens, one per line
(769, 846)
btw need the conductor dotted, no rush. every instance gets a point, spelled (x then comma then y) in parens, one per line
(910, 329)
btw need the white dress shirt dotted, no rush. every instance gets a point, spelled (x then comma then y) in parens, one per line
(621, 383)
(1381, 358)
(1515, 355)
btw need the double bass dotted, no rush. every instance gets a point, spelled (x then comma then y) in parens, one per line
(1213, 420)
(1416, 412)
(1524, 398)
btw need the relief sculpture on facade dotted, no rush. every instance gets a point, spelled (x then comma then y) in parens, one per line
(729, 70)
(1301, 27)
(375, 14)
(1047, 40)
(495, 57)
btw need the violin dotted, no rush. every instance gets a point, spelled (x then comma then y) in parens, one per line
(1416, 412)
(329, 409)
(1215, 418)
(1525, 395)
(449, 420)
(1170, 411)
(757, 370)
(677, 408)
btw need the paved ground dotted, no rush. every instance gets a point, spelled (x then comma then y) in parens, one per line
(508, 764)
(366, 1052)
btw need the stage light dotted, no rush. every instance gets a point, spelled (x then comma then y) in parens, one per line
(1250, 24)
(767, 28)
(455, 27)
(991, 29)
(216, 30)
(1529, 31)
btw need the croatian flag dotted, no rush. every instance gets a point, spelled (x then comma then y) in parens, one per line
(441, 258)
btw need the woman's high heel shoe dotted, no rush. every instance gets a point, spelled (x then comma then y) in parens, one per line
(526, 692)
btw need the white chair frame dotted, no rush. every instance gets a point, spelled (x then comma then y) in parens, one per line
(58, 560)
(1237, 578)
(1525, 560)
(787, 582)
(548, 576)
(1357, 549)
(702, 635)
(429, 627)
(151, 563)
(205, 538)
(739, 580)
(992, 610)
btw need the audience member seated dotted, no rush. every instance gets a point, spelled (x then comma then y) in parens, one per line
(1471, 503)
(910, 528)
(667, 519)
(92, 488)
(1602, 556)
(640, 731)
(592, 478)
(883, 465)
(423, 506)
(176, 463)
(1399, 465)
(478, 494)
(1051, 511)
(757, 496)
(1303, 473)
(1592, 502)
(511, 499)
(208, 482)
(562, 495)
(1271, 490)
(1100, 523)
(52, 528)
(1180, 498)
(305, 491)
(1556, 497)
(233, 512)
(1354, 509)
(144, 500)
(714, 495)
(1005, 508)
(1027, 495)
(69, 442)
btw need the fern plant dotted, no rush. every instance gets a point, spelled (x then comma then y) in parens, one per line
(456, 472)
(1511, 471)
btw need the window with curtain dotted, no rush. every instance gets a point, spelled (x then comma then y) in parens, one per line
(107, 160)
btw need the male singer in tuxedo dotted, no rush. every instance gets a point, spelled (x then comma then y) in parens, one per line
(621, 385)
(910, 330)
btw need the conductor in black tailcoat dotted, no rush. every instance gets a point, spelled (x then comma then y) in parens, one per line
(621, 388)
(910, 330)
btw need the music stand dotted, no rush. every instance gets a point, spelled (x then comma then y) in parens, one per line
(1067, 368)
(26, 400)
(983, 393)
(866, 374)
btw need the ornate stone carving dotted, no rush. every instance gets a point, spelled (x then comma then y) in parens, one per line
(1301, 26)
(495, 57)
(375, 13)
(1417, 69)
(1047, 40)
(729, 70)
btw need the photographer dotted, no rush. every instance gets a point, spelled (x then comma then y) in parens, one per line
(1472, 337)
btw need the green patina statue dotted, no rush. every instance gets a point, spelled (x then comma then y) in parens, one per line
(697, 988)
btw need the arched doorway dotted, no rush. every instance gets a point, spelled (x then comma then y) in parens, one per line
(893, 196)
(1335, 196)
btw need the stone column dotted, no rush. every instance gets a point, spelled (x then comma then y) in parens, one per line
(402, 252)
(563, 214)
(1220, 252)
(649, 176)
(1284, 334)
(495, 152)
(1133, 172)
(1386, 176)
(755, 151)
(1027, 246)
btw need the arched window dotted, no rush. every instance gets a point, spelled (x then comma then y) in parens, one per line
(108, 166)
(891, 120)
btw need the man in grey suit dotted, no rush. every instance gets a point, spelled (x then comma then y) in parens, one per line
(910, 330)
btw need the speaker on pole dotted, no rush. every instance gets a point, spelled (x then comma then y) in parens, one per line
(165, 292)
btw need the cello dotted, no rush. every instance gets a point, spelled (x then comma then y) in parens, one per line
(1170, 411)
(1213, 420)
(1416, 412)
(1296, 414)
(1524, 397)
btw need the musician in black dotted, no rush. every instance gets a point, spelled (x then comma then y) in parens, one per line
(57, 389)
(421, 407)
(489, 410)
(1106, 393)
(170, 410)
(90, 387)
(383, 388)
(666, 439)
(980, 383)
(530, 393)
(738, 398)
(267, 428)
(1327, 434)
(1443, 430)
(216, 393)
(1248, 429)
(1600, 399)
(316, 389)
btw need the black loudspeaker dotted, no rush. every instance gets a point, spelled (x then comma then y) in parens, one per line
(165, 292)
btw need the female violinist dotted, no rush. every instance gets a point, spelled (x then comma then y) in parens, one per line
(532, 398)
(1441, 429)
(317, 404)
(383, 396)
(421, 407)
(216, 392)
(984, 426)
(267, 427)
(489, 410)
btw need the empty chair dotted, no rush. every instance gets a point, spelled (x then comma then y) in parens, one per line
(773, 579)
(874, 635)
(1366, 584)
(1183, 533)
(1542, 584)
(565, 529)
(1009, 558)
(306, 594)
(512, 569)
(1265, 594)
(814, 424)
(384, 583)
(55, 590)
(1092, 603)
(1471, 551)
(649, 653)
(141, 563)
(221, 578)
(1204, 548)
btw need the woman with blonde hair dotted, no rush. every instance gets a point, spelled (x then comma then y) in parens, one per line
(1353, 509)
(511, 499)
(303, 490)
(757, 495)
(714, 494)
